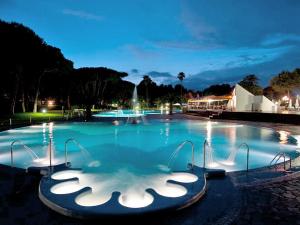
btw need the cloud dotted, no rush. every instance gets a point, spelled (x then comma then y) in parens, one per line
(256, 56)
(264, 70)
(278, 39)
(134, 71)
(239, 23)
(82, 14)
(158, 77)
(162, 77)
(155, 74)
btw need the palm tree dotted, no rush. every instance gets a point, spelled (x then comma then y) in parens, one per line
(181, 76)
(147, 80)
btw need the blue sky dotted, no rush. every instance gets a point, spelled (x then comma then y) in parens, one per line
(212, 41)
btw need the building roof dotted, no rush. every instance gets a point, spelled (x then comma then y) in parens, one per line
(211, 98)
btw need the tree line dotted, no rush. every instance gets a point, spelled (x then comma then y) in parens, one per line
(286, 83)
(32, 70)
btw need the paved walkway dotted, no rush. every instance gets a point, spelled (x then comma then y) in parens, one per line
(19, 205)
(273, 203)
(228, 201)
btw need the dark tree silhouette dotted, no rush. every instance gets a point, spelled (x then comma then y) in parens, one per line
(91, 84)
(24, 59)
(147, 81)
(250, 83)
(50, 62)
(181, 77)
(218, 89)
(171, 97)
(286, 81)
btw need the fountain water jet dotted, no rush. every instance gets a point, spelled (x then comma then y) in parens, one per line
(135, 106)
(135, 101)
(208, 151)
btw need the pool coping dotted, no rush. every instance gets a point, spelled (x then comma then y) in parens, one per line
(34, 170)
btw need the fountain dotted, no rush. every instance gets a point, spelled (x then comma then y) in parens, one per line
(131, 114)
(208, 155)
(135, 101)
(136, 111)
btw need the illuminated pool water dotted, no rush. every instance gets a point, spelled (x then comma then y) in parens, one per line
(145, 147)
(129, 113)
(127, 166)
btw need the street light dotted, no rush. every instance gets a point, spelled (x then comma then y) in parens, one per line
(285, 98)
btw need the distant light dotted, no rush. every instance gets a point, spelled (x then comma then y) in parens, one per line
(44, 110)
(285, 98)
(50, 103)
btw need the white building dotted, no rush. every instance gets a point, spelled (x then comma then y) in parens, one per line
(242, 100)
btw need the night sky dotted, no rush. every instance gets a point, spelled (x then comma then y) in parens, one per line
(212, 41)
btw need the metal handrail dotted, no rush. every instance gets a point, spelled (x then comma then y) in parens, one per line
(248, 151)
(66, 149)
(278, 156)
(29, 150)
(177, 150)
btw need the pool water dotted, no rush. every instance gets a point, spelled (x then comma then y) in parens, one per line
(145, 149)
(131, 113)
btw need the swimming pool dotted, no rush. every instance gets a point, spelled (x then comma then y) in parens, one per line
(136, 168)
(145, 146)
(131, 113)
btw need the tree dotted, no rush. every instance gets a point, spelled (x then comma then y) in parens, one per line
(218, 89)
(147, 81)
(181, 77)
(50, 61)
(91, 83)
(18, 46)
(250, 83)
(270, 93)
(24, 59)
(170, 97)
(286, 81)
(120, 92)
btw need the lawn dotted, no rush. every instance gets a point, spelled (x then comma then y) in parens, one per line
(29, 118)
(39, 116)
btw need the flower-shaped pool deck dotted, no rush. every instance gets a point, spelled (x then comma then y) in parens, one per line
(83, 195)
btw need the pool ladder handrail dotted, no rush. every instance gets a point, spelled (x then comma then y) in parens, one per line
(174, 154)
(66, 149)
(278, 156)
(206, 144)
(28, 149)
(248, 152)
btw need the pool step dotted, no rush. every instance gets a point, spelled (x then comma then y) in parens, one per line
(214, 173)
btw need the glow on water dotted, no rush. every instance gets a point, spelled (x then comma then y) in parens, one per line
(146, 146)
(129, 113)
